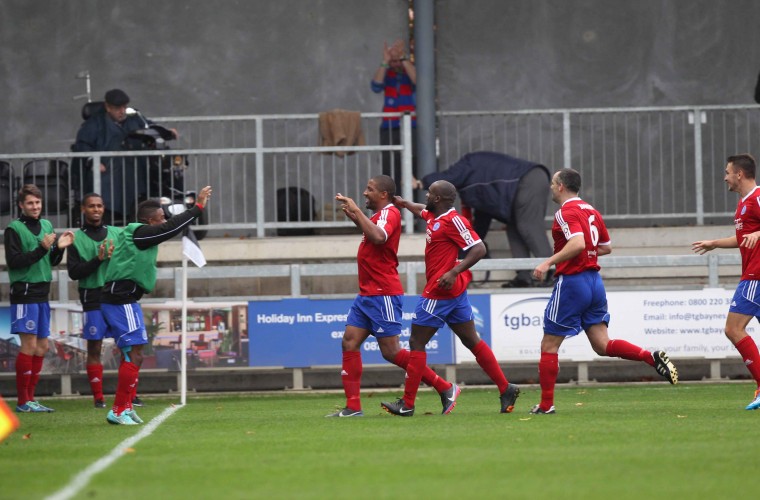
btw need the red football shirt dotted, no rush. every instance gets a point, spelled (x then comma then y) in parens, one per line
(446, 235)
(576, 218)
(378, 263)
(746, 221)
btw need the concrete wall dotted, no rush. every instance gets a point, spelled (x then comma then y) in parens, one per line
(189, 57)
(596, 53)
(292, 56)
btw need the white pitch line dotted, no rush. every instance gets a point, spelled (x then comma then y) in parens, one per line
(80, 480)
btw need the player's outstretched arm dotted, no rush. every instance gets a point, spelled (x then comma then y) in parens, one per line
(415, 208)
(704, 246)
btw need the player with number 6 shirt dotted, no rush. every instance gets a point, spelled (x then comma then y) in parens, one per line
(579, 300)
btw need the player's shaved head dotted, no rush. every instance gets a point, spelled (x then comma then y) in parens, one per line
(445, 190)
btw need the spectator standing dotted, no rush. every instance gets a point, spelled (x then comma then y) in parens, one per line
(579, 300)
(396, 79)
(31, 250)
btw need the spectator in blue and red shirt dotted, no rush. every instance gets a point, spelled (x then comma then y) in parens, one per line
(396, 78)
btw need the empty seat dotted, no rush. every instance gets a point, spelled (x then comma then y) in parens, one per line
(7, 188)
(52, 177)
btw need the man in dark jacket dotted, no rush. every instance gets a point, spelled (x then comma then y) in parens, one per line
(108, 130)
(510, 190)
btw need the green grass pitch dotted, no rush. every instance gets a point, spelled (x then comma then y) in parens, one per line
(629, 441)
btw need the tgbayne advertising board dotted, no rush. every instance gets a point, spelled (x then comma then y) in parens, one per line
(686, 324)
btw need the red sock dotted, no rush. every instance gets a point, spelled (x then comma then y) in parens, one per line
(352, 379)
(95, 376)
(548, 369)
(748, 350)
(128, 373)
(417, 363)
(428, 375)
(23, 377)
(621, 349)
(487, 361)
(36, 369)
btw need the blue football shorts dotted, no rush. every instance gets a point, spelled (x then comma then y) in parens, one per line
(578, 302)
(439, 312)
(378, 314)
(31, 318)
(745, 300)
(125, 323)
(95, 327)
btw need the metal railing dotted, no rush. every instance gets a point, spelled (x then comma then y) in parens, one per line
(289, 190)
(653, 164)
(646, 165)
(712, 264)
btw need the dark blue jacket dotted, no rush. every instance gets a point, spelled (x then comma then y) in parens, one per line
(487, 181)
(101, 133)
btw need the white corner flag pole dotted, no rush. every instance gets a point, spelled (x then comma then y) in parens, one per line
(183, 345)
(190, 251)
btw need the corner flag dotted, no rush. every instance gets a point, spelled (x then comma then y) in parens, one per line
(191, 249)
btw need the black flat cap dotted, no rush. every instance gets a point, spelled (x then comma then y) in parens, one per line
(117, 97)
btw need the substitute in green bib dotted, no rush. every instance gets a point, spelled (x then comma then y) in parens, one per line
(87, 261)
(131, 274)
(31, 250)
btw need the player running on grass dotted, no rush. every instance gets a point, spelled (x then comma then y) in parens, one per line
(579, 301)
(378, 307)
(740, 178)
(444, 300)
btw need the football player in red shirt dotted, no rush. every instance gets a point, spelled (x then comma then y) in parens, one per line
(740, 177)
(444, 300)
(579, 301)
(377, 309)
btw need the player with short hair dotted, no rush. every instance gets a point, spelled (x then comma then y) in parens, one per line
(131, 274)
(740, 178)
(377, 310)
(579, 300)
(31, 250)
(444, 299)
(87, 261)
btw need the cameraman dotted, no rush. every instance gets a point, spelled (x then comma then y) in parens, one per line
(121, 177)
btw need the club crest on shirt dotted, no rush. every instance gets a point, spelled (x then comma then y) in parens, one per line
(436, 226)
(744, 210)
